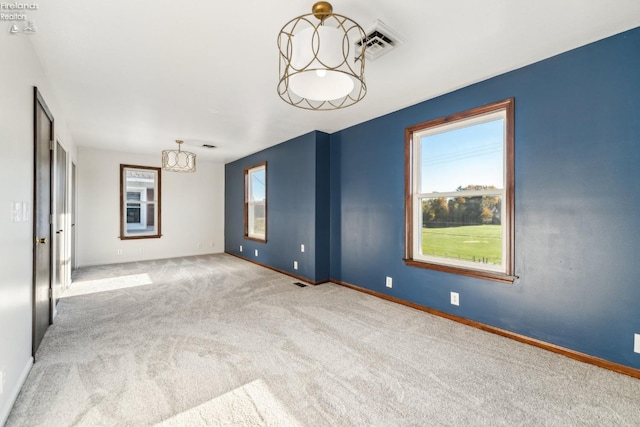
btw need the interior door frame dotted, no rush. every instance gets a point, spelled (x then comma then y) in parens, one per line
(73, 212)
(60, 245)
(39, 102)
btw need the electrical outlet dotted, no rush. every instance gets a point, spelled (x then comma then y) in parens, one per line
(455, 298)
(240, 248)
(295, 265)
(636, 343)
(256, 252)
(119, 252)
(199, 245)
(212, 244)
(389, 282)
(302, 248)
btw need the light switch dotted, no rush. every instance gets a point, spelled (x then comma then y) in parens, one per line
(19, 211)
(16, 211)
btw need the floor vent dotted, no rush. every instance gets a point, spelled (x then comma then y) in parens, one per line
(379, 40)
(302, 285)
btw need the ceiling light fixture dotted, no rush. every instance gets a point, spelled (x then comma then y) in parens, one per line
(177, 160)
(321, 67)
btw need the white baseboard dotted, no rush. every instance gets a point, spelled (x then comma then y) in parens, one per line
(4, 413)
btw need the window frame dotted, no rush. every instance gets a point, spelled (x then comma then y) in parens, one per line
(508, 222)
(247, 189)
(124, 202)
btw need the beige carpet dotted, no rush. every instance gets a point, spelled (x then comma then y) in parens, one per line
(214, 340)
(250, 405)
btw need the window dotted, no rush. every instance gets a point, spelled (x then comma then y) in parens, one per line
(460, 193)
(255, 202)
(139, 202)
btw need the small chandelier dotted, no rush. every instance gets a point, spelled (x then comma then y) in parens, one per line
(320, 66)
(177, 160)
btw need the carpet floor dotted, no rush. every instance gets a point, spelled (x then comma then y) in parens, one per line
(215, 340)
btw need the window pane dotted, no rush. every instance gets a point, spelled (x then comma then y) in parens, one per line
(465, 229)
(258, 218)
(470, 156)
(257, 185)
(133, 213)
(141, 184)
(134, 195)
(140, 219)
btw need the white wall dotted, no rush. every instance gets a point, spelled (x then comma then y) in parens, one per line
(192, 207)
(20, 71)
(192, 210)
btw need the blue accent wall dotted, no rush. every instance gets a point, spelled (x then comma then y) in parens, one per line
(297, 207)
(577, 203)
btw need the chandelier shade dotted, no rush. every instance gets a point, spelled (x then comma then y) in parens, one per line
(178, 160)
(321, 65)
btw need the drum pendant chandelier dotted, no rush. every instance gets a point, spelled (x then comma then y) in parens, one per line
(321, 67)
(178, 161)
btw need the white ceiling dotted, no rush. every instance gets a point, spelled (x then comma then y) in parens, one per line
(135, 75)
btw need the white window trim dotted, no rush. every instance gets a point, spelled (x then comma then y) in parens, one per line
(417, 197)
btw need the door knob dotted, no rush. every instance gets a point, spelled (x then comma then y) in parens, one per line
(41, 240)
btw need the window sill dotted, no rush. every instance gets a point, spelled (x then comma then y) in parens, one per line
(151, 236)
(487, 275)
(255, 239)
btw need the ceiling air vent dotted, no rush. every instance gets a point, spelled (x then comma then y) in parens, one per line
(379, 40)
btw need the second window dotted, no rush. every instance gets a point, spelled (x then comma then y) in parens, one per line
(255, 202)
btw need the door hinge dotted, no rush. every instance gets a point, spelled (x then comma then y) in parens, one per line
(50, 218)
(50, 293)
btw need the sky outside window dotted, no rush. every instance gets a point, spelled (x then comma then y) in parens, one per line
(257, 185)
(471, 155)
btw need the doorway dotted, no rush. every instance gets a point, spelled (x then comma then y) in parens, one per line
(61, 257)
(73, 217)
(43, 145)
